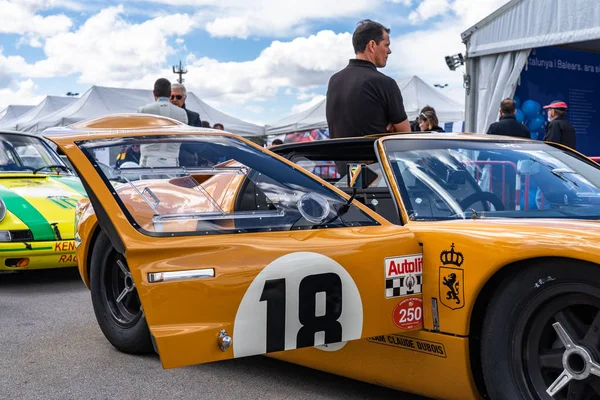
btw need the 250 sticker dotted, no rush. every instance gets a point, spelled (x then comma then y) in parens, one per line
(299, 300)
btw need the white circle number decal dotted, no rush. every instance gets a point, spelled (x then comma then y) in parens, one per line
(299, 300)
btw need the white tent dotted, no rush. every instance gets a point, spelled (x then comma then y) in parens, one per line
(99, 101)
(11, 113)
(231, 124)
(47, 106)
(499, 45)
(416, 94)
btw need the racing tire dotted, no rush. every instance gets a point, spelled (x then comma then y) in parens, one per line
(522, 354)
(115, 300)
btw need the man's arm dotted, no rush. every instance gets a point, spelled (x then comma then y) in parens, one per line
(403, 126)
(492, 129)
(397, 114)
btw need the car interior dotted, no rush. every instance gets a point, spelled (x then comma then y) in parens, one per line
(331, 166)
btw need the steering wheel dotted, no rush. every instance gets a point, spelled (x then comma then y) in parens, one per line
(483, 197)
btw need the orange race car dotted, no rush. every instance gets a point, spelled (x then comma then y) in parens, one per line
(455, 266)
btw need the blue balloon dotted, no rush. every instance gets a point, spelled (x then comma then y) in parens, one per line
(533, 134)
(536, 123)
(517, 101)
(531, 108)
(520, 116)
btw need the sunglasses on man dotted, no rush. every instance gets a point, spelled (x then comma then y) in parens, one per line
(176, 96)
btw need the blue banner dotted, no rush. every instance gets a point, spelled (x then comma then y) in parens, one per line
(568, 75)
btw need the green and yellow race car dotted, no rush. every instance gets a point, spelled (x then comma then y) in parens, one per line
(38, 195)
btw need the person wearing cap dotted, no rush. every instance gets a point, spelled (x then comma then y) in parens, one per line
(559, 130)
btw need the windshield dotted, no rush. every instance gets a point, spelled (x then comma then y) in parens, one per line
(452, 179)
(213, 184)
(19, 153)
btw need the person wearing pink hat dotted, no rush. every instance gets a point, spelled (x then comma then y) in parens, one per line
(559, 130)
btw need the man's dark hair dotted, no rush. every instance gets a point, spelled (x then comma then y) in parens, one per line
(276, 142)
(162, 88)
(205, 124)
(366, 31)
(507, 106)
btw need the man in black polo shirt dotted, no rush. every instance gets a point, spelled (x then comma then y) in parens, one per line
(360, 99)
(508, 124)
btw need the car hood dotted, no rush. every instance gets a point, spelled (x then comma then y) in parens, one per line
(39, 203)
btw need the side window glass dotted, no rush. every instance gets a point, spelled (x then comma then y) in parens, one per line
(220, 185)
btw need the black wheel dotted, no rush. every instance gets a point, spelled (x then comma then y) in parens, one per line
(115, 300)
(541, 333)
(482, 197)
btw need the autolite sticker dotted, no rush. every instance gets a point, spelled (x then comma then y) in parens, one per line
(403, 275)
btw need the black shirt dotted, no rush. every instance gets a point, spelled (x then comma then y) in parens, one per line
(193, 117)
(509, 126)
(362, 101)
(560, 131)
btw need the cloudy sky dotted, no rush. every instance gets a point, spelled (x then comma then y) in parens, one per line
(258, 60)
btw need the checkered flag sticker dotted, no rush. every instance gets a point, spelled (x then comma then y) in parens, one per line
(403, 285)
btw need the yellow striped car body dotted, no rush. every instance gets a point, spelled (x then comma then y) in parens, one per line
(40, 212)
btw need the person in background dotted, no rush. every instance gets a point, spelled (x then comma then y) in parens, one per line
(559, 130)
(428, 122)
(205, 124)
(414, 126)
(508, 124)
(132, 153)
(360, 99)
(161, 154)
(219, 126)
(178, 97)
(276, 142)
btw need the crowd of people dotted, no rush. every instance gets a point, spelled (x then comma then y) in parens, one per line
(362, 101)
(169, 102)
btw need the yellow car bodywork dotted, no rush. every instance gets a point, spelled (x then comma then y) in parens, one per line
(43, 207)
(185, 317)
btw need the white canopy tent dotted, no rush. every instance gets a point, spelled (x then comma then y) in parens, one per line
(416, 94)
(47, 106)
(99, 101)
(11, 113)
(499, 45)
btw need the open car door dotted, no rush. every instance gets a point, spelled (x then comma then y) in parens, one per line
(239, 252)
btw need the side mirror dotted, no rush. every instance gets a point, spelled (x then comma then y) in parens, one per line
(360, 176)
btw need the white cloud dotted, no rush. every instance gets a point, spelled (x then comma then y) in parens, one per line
(306, 105)
(107, 49)
(429, 9)
(21, 17)
(422, 52)
(271, 18)
(23, 92)
(301, 63)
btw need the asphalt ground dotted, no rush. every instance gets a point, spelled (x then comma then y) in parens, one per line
(52, 348)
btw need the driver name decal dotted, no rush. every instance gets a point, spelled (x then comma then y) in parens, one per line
(403, 275)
